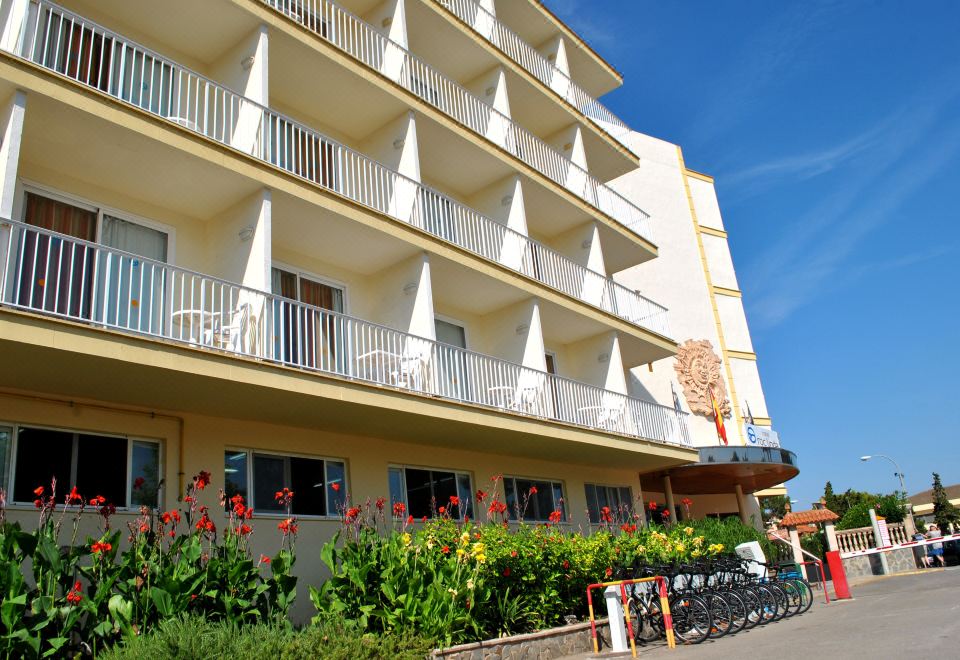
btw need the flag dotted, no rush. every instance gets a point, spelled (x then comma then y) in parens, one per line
(749, 414)
(718, 418)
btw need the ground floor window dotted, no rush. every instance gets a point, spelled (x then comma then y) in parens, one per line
(533, 499)
(423, 492)
(319, 484)
(618, 499)
(126, 471)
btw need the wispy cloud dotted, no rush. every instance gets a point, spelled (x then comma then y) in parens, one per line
(813, 255)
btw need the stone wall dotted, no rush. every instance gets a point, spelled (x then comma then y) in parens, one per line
(901, 560)
(543, 645)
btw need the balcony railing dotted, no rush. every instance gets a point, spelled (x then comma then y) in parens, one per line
(55, 274)
(83, 51)
(513, 46)
(360, 40)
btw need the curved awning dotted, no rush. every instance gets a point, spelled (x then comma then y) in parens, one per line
(720, 469)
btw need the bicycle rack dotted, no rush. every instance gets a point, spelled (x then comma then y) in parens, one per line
(664, 608)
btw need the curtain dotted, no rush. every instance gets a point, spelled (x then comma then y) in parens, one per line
(130, 290)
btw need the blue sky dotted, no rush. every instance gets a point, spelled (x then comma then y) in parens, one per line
(833, 131)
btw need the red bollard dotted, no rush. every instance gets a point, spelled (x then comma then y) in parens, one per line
(840, 586)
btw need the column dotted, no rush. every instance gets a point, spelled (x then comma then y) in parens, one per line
(12, 127)
(668, 493)
(13, 17)
(831, 532)
(795, 544)
(742, 505)
(244, 68)
(390, 19)
(491, 87)
(395, 145)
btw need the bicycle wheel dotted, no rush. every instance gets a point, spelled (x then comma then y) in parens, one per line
(691, 619)
(720, 614)
(738, 610)
(783, 602)
(754, 607)
(768, 604)
(806, 594)
(794, 596)
(647, 620)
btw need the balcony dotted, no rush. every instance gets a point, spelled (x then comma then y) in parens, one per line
(362, 42)
(86, 53)
(57, 275)
(526, 56)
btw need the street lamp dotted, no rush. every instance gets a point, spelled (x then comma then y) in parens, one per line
(898, 473)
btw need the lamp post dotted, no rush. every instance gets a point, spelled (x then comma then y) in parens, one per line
(910, 525)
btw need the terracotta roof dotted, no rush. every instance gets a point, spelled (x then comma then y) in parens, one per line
(795, 518)
(926, 497)
(784, 534)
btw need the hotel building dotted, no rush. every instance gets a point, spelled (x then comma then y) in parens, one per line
(358, 248)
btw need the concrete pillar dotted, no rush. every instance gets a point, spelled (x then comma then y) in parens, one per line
(13, 19)
(595, 284)
(390, 19)
(909, 524)
(878, 541)
(795, 544)
(569, 142)
(555, 51)
(668, 494)
(246, 69)
(395, 145)
(491, 87)
(484, 21)
(831, 533)
(742, 505)
(11, 126)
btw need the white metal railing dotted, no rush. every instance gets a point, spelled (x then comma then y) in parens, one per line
(92, 55)
(513, 46)
(363, 42)
(55, 274)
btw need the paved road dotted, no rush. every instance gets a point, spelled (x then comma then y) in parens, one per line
(914, 616)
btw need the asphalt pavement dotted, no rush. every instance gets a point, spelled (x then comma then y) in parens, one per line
(903, 616)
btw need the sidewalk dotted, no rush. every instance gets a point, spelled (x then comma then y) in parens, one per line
(906, 615)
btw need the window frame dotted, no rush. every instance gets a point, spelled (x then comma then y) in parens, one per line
(75, 432)
(258, 513)
(608, 487)
(552, 482)
(403, 467)
(313, 277)
(25, 186)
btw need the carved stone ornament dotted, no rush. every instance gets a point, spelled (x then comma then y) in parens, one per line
(698, 368)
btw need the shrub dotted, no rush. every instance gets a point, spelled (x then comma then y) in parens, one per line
(890, 507)
(194, 637)
(62, 599)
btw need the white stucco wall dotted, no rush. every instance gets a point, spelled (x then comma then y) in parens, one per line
(719, 261)
(749, 388)
(734, 320)
(705, 201)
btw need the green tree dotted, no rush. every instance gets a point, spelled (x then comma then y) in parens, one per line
(830, 497)
(774, 506)
(944, 512)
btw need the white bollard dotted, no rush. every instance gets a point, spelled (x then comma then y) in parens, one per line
(618, 629)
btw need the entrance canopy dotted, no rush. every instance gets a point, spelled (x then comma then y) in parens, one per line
(721, 469)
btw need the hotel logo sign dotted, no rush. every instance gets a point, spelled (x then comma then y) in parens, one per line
(760, 436)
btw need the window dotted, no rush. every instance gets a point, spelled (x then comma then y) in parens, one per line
(618, 498)
(124, 471)
(319, 484)
(304, 336)
(534, 499)
(423, 491)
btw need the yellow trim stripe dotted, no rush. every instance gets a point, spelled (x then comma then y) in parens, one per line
(763, 421)
(698, 175)
(742, 355)
(735, 404)
(710, 231)
(724, 291)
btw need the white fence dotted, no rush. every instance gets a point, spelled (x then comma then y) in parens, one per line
(92, 55)
(55, 274)
(363, 42)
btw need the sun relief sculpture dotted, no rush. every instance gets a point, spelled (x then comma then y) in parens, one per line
(698, 368)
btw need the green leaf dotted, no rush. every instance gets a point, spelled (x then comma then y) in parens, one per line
(162, 600)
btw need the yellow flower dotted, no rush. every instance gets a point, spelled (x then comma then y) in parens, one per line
(481, 558)
(464, 537)
(406, 538)
(478, 548)
(698, 541)
(470, 584)
(461, 552)
(641, 549)
(429, 544)
(719, 547)
(688, 531)
(696, 553)
(681, 547)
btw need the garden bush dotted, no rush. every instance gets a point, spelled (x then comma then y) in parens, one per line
(60, 599)
(193, 637)
(459, 581)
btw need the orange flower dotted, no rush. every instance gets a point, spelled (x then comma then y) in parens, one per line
(38, 491)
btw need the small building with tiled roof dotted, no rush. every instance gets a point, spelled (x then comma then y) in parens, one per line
(923, 502)
(796, 518)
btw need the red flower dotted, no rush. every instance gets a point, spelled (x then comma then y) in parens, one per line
(609, 572)
(278, 496)
(244, 529)
(206, 524)
(101, 547)
(188, 498)
(627, 528)
(442, 510)
(454, 500)
(138, 483)
(202, 480)
(353, 513)
(38, 503)
(605, 514)
(566, 564)
(687, 502)
(335, 486)
(381, 501)
(74, 596)
(74, 497)
(166, 518)
(556, 517)
(481, 496)
(144, 528)
(399, 508)
(98, 500)
(506, 572)
(513, 553)
(288, 526)
(264, 559)
(652, 505)
(665, 514)
(410, 519)
(424, 519)
(445, 549)
(38, 491)
(176, 515)
(533, 490)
